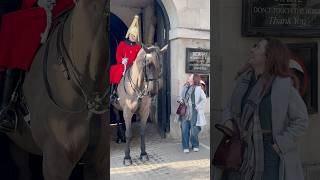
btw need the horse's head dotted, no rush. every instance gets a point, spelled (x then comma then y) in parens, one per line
(150, 60)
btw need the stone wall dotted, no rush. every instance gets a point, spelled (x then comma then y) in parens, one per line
(178, 78)
(190, 28)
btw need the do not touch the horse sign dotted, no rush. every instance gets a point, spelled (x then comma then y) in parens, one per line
(197, 61)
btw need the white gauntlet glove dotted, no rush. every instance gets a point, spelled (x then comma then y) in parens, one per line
(124, 61)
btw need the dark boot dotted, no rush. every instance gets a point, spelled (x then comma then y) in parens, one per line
(114, 94)
(2, 77)
(12, 85)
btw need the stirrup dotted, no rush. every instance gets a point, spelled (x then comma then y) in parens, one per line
(4, 120)
(114, 99)
(23, 106)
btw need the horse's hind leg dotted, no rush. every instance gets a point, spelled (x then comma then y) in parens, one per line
(120, 128)
(127, 117)
(121, 133)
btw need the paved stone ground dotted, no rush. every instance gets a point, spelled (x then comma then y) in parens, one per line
(166, 159)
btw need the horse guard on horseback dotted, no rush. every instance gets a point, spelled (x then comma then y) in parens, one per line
(59, 48)
(134, 83)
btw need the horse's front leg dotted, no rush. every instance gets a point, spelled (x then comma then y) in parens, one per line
(98, 163)
(127, 114)
(144, 114)
(56, 164)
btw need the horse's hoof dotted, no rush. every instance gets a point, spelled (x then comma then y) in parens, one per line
(127, 162)
(144, 157)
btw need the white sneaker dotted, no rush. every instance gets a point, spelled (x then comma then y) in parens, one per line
(195, 149)
(186, 150)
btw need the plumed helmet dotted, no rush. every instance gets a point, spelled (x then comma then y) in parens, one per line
(134, 28)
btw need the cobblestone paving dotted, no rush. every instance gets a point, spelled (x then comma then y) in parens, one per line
(166, 159)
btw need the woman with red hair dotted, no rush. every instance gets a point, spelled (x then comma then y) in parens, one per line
(270, 115)
(194, 98)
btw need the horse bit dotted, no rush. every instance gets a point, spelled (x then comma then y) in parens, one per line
(144, 92)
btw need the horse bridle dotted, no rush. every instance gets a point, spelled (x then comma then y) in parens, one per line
(96, 101)
(140, 92)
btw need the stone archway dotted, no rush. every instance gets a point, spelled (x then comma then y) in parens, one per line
(118, 31)
(155, 26)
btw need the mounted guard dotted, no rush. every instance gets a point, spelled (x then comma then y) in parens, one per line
(22, 31)
(126, 54)
(65, 87)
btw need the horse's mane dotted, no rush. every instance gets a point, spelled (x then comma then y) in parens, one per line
(140, 55)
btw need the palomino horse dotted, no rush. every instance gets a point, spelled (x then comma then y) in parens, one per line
(136, 89)
(64, 91)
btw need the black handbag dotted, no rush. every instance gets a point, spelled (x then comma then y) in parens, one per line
(182, 108)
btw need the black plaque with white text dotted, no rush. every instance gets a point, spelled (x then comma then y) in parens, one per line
(289, 18)
(197, 61)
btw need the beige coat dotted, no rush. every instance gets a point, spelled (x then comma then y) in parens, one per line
(289, 121)
(200, 101)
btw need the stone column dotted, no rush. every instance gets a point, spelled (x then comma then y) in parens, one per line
(149, 24)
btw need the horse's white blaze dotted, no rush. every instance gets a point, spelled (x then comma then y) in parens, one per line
(148, 56)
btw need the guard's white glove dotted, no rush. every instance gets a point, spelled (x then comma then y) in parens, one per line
(124, 61)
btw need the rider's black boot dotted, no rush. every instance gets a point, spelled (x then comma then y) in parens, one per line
(114, 94)
(2, 76)
(11, 85)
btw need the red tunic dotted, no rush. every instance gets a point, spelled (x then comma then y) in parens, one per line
(125, 49)
(27, 3)
(20, 33)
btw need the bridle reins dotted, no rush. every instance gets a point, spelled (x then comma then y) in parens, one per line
(95, 101)
(140, 92)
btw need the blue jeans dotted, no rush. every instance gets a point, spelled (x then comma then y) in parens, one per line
(186, 127)
(271, 159)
